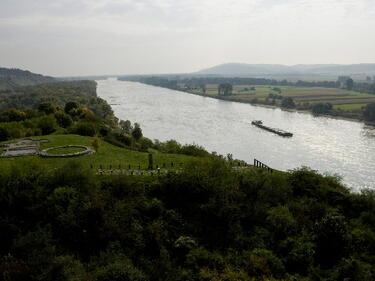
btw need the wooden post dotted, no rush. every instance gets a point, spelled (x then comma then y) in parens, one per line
(150, 161)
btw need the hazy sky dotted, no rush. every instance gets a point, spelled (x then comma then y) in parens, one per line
(84, 37)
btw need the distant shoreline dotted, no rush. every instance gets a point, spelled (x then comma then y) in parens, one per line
(338, 117)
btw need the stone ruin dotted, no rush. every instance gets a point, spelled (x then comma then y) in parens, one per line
(24, 147)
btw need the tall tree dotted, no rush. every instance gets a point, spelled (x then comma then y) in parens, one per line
(225, 89)
(349, 84)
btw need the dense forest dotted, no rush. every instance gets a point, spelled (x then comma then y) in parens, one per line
(206, 222)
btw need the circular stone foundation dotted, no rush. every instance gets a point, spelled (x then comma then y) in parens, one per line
(87, 151)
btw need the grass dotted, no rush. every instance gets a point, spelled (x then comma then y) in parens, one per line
(354, 106)
(340, 98)
(107, 155)
(65, 150)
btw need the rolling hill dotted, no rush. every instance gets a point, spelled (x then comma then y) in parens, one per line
(278, 70)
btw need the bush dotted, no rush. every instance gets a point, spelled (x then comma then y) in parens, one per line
(84, 129)
(4, 134)
(47, 124)
(262, 262)
(47, 108)
(69, 106)
(119, 271)
(64, 120)
(322, 108)
(287, 103)
(369, 112)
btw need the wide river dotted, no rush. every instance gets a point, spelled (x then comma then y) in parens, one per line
(328, 145)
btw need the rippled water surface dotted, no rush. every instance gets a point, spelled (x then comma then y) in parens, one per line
(328, 145)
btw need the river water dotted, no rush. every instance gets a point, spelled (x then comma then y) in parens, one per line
(328, 145)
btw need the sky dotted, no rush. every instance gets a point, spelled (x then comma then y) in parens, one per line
(93, 37)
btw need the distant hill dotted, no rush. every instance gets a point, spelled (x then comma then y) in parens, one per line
(277, 70)
(11, 78)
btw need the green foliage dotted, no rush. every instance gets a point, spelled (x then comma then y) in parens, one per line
(322, 108)
(369, 112)
(47, 124)
(137, 132)
(95, 143)
(225, 89)
(262, 262)
(47, 108)
(84, 128)
(64, 120)
(69, 106)
(287, 102)
(349, 84)
(205, 222)
(119, 271)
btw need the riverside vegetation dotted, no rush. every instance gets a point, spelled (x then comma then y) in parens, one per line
(61, 220)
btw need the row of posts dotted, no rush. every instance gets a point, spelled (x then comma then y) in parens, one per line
(259, 164)
(130, 167)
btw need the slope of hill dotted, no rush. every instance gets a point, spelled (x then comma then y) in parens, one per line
(12, 77)
(241, 69)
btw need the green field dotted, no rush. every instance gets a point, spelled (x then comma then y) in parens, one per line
(340, 98)
(107, 156)
(353, 106)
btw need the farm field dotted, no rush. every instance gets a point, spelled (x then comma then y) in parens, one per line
(340, 98)
(107, 155)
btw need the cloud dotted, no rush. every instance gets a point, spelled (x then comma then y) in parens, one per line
(178, 36)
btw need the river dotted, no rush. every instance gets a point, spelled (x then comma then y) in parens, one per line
(336, 147)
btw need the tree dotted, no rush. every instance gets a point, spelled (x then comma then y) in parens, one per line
(47, 124)
(322, 108)
(95, 142)
(70, 105)
(47, 108)
(203, 87)
(126, 126)
(369, 112)
(349, 84)
(225, 89)
(64, 120)
(287, 103)
(137, 132)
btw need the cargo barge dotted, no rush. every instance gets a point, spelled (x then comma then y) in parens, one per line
(279, 132)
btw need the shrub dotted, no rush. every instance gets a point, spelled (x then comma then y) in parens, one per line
(47, 124)
(84, 129)
(69, 106)
(64, 120)
(4, 134)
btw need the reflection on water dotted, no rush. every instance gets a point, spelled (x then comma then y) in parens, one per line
(323, 144)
